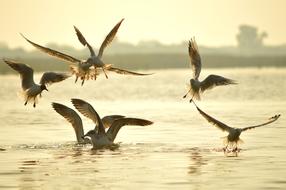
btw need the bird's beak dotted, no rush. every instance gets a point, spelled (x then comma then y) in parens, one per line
(46, 89)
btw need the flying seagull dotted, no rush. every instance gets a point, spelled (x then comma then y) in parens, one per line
(99, 137)
(233, 133)
(31, 90)
(198, 87)
(86, 69)
(111, 122)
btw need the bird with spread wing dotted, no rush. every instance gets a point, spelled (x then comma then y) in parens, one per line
(198, 87)
(99, 137)
(232, 139)
(87, 69)
(31, 90)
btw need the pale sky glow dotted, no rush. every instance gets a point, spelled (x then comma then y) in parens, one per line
(213, 22)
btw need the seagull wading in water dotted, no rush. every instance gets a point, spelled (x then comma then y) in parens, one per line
(232, 139)
(31, 90)
(82, 68)
(197, 87)
(99, 137)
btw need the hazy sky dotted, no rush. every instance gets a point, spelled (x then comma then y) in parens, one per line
(213, 22)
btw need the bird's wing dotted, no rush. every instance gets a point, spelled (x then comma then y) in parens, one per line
(52, 77)
(72, 117)
(215, 80)
(213, 121)
(195, 58)
(117, 124)
(25, 72)
(88, 111)
(83, 41)
(125, 72)
(108, 39)
(271, 120)
(109, 119)
(54, 53)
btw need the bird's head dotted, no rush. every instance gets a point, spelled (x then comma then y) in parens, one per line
(43, 87)
(89, 133)
(192, 82)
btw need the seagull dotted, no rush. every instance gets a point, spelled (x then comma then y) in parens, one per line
(197, 87)
(233, 133)
(72, 117)
(111, 122)
(99, 137)
(30, 89)
(87, 69)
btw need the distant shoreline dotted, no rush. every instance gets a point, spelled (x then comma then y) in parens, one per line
(155, 61)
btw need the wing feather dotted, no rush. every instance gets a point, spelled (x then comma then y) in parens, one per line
(109, 119)
(88, 111)
(117, 124)
(52, 77)
(126, 72)
(53, 53)
(25, 71)
(213, 121)
(83, 41)
(214, 80)
(72, 117)
(195, 58)
(271, 120)
(108, 39)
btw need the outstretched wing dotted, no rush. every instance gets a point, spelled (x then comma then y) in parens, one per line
(271, 120)
(53, 53)
(214, 80)
(87, 110)
(72, 117)
(109, 119)
(52, 77)
(117, 124)
(213, 121)
(25, 72)
(195, 58)
(125, 72)
(109, 38)
(83, 41)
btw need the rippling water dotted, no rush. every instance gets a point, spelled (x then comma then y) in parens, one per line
(180, 150)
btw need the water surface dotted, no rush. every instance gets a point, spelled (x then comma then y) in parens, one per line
(180, 150)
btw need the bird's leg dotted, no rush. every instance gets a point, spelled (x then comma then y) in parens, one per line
(76, 79)
(34, 105)
(192, 98)
(104, 72)
(225, 148)
(26, 102)
(186, 93)
(82, 82)
(235, 148)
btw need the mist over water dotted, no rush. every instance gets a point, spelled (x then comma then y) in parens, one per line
(180, 150)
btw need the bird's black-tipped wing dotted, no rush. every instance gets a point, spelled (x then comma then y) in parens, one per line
(54, 53)
(195, 58)
(83, 41)
(108, 39)
(52, 77)
(117, 124)
(214, 80)
(72, 117)
(271, 120)
(25, 72)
